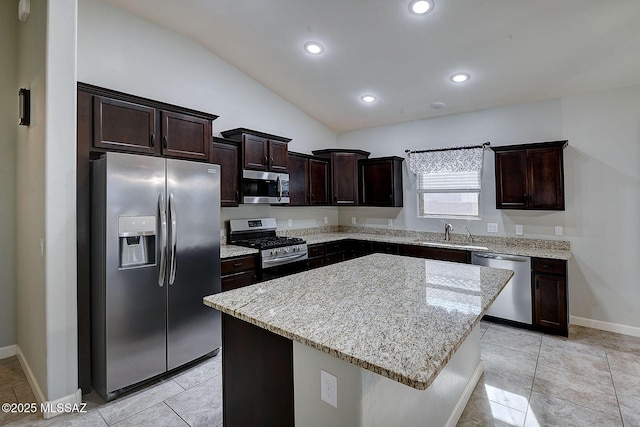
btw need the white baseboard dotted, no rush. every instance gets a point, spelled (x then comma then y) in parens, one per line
(69, 400)
(31, 379)
(466, 395)
(605, 326)
(8, 351)
(73, 398)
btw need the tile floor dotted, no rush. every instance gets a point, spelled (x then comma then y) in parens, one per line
(530, 379)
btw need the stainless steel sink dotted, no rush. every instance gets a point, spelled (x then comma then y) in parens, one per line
(453, 245)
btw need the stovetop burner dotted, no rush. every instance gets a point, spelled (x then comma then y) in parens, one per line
(270, 242)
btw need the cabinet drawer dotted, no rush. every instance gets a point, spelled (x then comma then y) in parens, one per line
(233, 265)
(333, 258)
(360, 246)
(552, 266)
(315, 262)
(238, 280)
(334, 247)
(385, 248)
(315, 250)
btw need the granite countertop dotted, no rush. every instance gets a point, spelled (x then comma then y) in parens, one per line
(501, 248)
(229, 251)
(397, 316)
(554, 249)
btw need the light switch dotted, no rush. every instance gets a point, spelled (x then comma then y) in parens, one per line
(290, 223)
(519, 230)
(492, 227)
(353, 220)
(326, 220)
(390, 222)
(558, 230)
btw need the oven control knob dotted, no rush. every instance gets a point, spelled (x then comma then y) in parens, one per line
(287, 250)
(274, 252)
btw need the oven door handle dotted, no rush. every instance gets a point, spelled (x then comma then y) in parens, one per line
(279, 188)
(288, 258)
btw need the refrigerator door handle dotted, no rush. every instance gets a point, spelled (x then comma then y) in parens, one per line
(174, 237)
(163, 239)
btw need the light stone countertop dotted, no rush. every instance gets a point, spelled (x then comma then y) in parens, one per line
(229, 251)
(399, 317)
(523, 250)
(508, 246)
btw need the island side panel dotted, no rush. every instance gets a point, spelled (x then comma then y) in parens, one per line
(257, 376)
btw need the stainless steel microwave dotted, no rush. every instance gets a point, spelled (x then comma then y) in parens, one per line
(265, 187)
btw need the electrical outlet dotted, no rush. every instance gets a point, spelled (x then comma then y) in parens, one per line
(558, 230)
(353, 220)
(519, 230)
(492, 227)
(290, 223)
(329, 388)
(390, 222)
(326, 220)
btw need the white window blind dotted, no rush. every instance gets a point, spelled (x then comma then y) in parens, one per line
(449, 194)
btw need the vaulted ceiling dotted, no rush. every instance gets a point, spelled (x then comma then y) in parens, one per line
(514, 50)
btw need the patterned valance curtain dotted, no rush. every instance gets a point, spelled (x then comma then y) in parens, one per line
(452, 159)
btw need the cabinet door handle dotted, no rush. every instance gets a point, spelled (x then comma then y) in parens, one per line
(165, 141)
(270, 161)
(390, 197)
(237, 199)
(265, 160)
(311, 197)
(153, 140)
(238, 264)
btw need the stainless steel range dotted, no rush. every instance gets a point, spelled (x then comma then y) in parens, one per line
(278, 255)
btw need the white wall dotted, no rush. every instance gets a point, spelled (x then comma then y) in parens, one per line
(121, 51)
(602, 188)
(603, 170)
(8, 141)
(60, 200)
(46, 228)
(30, 206)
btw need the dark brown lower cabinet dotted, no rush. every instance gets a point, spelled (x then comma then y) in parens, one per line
(550, 302)
(257, 376)
(316, 255)
(238, 272)
(335, 252)
(440, 254)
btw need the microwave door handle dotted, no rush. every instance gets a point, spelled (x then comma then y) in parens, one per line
(279, 188)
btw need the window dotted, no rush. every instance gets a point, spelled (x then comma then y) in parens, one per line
(449, 194)
(448, 181)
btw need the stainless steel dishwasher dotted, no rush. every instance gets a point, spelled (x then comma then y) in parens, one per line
(514, 302)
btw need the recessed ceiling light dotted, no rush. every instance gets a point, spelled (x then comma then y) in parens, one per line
(460, 77)
(368, 98)
(438, 105)
(420, 7)
(314, 48)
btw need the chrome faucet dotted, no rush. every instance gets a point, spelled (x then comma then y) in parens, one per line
(469, 235)
(448, 228)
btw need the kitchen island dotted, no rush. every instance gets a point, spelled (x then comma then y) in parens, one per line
(400, 334)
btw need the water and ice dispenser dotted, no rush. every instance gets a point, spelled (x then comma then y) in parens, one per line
(137, 238)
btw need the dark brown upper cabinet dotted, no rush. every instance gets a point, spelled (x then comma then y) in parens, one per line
(225, 154)
(261, 151)
(308, 180)
(121, 122)
(381, 181)
(185, 136)
(530, 176)
(344, 174)
(121, 125)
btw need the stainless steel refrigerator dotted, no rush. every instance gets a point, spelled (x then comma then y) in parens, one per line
(155, 254)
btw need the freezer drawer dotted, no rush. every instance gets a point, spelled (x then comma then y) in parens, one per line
(514, 302)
